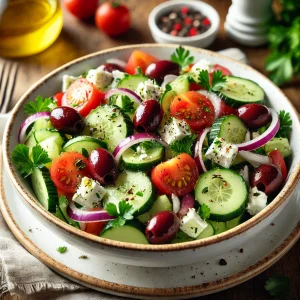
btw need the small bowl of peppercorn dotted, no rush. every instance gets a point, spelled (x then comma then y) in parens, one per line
(192, 23)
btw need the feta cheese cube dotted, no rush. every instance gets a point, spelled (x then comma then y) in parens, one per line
(202, 64)
(67, 80)
(221, 152)
(257, 201)
(118, 76)
(89, 193)
(174, 130)
(192, 224)
(148, 90)
(101, 79)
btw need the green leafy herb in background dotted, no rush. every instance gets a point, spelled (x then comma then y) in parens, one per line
(39, 105)
(218, 80)
(284, 41)
(285, 124)
(122, 213)
(184, 145)
(278, 286)
(182, 57)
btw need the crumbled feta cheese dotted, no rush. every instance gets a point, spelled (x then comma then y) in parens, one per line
(118, 76)
(101, 79)
(257, 201)
(221, 152)
(192, 224)
(67, 80)
(176, 203)
(89, 193)
(202, 64)
(174, 130)
(148, 90)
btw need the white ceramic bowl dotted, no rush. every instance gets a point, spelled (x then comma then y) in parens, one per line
(152, 255)
(202, 40)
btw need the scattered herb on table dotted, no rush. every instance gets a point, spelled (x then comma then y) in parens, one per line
(62, 249)
(278, 285)
(83, 257)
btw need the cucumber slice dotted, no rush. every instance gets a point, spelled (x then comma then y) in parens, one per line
(132, 82)
(166, 100)
(134, 187)
(230, 128)
(219, 227)
(238, 91)
(235, 222)
(181, 237)
(83, 142)
(42, 123)
(44, 189)
(137, 161)
(224, 192)
(281, 144)
(110, 124)
(207, 232)
(53, 147)
(131, 232)
(181, 84)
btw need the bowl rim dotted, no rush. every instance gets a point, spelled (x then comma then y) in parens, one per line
(280, 199)
(215, 22)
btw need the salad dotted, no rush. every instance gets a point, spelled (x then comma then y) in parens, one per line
(154, 151)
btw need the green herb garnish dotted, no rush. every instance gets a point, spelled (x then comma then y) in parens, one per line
(218, 80)
(39, 105)
(204, 211)
(127, 105)
(22, 161)
(278, 286)
(62, 249)
(205, 190)
(285, 124)
(122, 213)
(140, 194)
(184, 145)
(85, 153)
(182, 57)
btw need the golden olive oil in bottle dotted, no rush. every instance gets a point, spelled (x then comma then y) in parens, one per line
(28, 26)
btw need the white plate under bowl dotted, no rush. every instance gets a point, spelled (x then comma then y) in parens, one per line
(182, 282)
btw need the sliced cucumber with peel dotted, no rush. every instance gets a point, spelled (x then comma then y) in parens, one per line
(207, 232)
(131, 82)
(219, 227)
(230, 128)
(181, 84)
(239, 91)
(135, 188)
(224, 192)
(83, 142)
(166, 100)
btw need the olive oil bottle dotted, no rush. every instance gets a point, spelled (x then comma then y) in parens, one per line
(28, 26)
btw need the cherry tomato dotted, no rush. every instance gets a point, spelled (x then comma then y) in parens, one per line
(224, 70)
(278, 160)
(139, 59)
(82, 9)
(83, 96)
(162, 227)
(267, 178)
(196, 109)
(67, 170)
(226, 110)
(58, 97)
(112, 18)
(62, 193)
(176, 176)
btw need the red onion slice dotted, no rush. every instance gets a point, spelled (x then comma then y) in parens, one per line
(167, 79)
(215, 100)
(254, 158)
(198, 150)
(132, 140)
(187, 202)
(263, 138)
(86, 216)
(117, 61)
(31, 119)
(124, 92)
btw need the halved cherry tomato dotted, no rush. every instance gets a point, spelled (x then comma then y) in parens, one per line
(226, 110)
(62, 193)
(224, 70)
(82, 9)
(83, 96)
(278, 160)
(139, 59)
(67, 170)
(176, 176)
(95, 227)
(196, 109)
(58, 98)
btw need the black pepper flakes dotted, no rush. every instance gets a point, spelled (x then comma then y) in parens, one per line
(223, 262)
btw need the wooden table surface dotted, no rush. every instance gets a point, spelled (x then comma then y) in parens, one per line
(78, 38)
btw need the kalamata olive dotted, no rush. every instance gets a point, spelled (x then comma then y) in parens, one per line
(158, 70)
(67, 120)
(254, 115)
(112, 67)
(162, 227)
(267, 178)
(148, 116)
(102, 166)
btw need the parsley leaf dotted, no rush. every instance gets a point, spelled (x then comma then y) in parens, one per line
(127, 105)
(85, 153)
(22, 161)
(40, 104)
(182, 57)
(218, 80)
(62, 249)
(278, 285)
(204, 211)
(184, 145)
(122, 213)
(285, 124)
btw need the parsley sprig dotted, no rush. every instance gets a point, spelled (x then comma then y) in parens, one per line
(40, 104)
(23, 162)
(285, 124)
(182, 57)
(278, 286)
(204, 211)
(184, 145)
(218, 80)
(122, 213)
